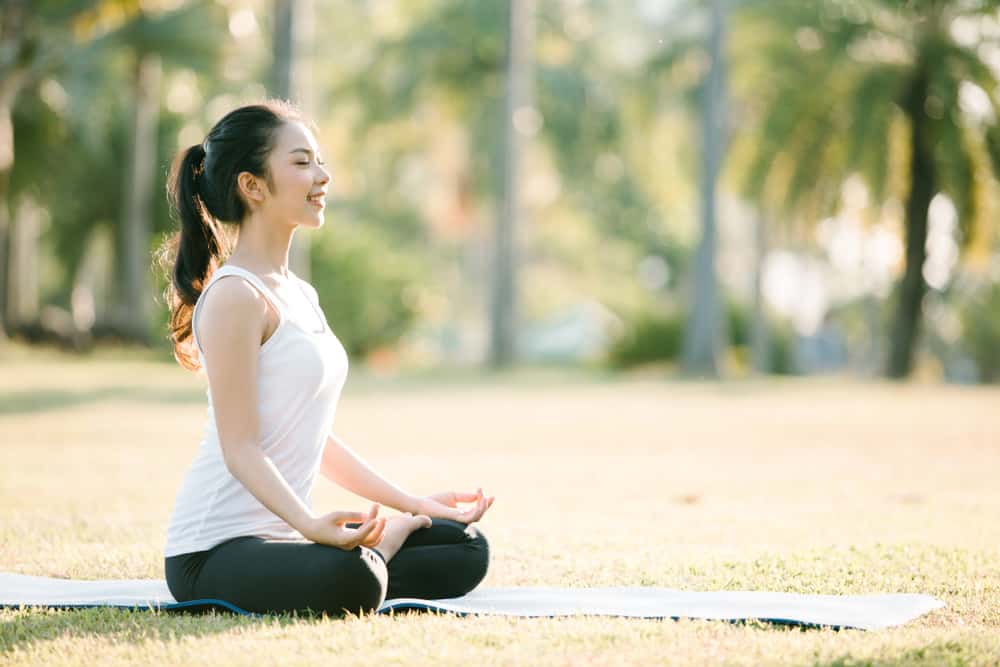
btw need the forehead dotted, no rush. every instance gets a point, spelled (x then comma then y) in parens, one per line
(292, 135)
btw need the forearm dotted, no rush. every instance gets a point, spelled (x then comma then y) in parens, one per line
(261, 478)
(343, 467)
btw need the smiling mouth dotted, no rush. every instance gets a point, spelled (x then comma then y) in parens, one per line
(318, 200)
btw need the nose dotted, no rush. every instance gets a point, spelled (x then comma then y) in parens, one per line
(324, 177)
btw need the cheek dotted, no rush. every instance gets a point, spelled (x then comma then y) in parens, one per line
(289, 185)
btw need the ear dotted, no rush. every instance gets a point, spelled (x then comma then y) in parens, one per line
(250, 187)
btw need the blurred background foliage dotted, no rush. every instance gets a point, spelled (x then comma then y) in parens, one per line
(825, 172)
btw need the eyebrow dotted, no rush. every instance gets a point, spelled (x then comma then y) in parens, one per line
(300, 150)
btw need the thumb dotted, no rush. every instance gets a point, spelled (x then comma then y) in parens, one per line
(344, 517)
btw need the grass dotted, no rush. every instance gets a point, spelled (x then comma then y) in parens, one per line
(821, 486)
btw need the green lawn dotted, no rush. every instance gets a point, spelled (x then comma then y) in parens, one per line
(806, 486)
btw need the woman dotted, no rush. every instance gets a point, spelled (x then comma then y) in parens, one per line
(242, 529)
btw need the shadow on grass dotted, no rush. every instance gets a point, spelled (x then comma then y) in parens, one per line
(45, 400)
(25, 627)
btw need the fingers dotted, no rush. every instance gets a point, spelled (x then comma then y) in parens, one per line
(447, 505)
(479, 509)
(473, 514)
(345, 517)
(466, 497)
(487, 503)
(340, 518)
(463, 496)
(451, 498)
(361, 533)
(375, 536)
(446, 498)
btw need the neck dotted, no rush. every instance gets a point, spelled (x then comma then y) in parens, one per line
(262, 247)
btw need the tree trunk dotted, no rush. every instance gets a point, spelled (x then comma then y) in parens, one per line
(4, 221)
(760, 338)
(137, 226)
(10, 85)
(909, 307)
(873, 361)
(283, 47)
(292, 20)
(503, 310)
(22, 279)
(704, 338)
(13, 19)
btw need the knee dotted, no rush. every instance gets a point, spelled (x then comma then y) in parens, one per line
(372, 581)
(480, 546)
(359, 588)
(476, 559)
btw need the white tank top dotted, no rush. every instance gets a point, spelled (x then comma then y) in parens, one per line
(301, 371)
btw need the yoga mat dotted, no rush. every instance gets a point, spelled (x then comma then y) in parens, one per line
(864, 612)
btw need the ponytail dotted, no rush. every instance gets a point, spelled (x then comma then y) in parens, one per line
(197, 250)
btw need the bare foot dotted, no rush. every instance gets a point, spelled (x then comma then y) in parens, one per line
(397, 529)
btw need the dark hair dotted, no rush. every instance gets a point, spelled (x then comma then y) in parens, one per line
(203, 194)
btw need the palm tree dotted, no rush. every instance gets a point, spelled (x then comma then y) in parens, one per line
(503, 320)
(830, 84)
(703, 340)
(138, 202)
(698, 32)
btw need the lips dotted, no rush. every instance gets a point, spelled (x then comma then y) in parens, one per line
(319, 199)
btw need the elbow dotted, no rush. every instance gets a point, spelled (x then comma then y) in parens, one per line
(235, 456)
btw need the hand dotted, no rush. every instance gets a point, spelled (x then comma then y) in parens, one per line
(445, 505)
(330, 529)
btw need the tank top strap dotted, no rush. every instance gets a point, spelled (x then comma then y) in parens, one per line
(252, 278)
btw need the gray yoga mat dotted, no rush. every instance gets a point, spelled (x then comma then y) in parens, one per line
(865, 612)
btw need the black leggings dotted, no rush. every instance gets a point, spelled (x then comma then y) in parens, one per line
(270, 576)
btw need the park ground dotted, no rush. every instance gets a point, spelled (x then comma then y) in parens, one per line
(813, 486)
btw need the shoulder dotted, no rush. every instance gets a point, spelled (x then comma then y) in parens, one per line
(231, 298)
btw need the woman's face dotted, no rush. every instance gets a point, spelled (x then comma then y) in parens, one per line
(298, 180)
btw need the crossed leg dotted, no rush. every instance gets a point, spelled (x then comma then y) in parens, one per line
(447, 559)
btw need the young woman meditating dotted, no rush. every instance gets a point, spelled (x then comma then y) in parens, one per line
(242, 529)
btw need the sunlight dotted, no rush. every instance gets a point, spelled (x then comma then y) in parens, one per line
(242, 23)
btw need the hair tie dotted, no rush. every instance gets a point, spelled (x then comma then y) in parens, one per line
(199, 166)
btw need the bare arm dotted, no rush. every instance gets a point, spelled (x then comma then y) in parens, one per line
(231, 324)
(344, 467)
